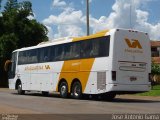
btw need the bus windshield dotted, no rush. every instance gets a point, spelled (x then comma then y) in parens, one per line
(13, 65)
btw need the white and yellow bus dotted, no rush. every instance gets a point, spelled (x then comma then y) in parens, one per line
(111, 62)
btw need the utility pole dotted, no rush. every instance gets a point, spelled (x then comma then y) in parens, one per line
(87, 14)
(130, 16)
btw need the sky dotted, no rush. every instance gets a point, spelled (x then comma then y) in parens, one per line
(68, 17)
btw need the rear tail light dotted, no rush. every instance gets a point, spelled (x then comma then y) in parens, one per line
(114, 75)
(150, 77)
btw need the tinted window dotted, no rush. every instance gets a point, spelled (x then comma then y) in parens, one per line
(86, 49)
(67, 51)
(59, 52)
(75, 50)
(52, 53)
(71, 51)
(44, 54)
(32, 56)
(104, 46)
(28, 57)
(22, 57)
(96, 47)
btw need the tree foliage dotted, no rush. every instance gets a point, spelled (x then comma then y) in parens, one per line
(17, 30)
(7, 45)
(0, 4)
(11, 5)
(155, 69)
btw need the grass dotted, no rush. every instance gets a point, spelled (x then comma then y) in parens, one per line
(155, 91)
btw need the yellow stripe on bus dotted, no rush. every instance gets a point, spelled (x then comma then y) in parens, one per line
(76, 69)
(99, 34)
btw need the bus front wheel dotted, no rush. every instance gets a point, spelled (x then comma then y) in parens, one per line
(63, 90)
(76, 90)
(19, 89)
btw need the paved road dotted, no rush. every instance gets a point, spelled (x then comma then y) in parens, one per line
(31, 103)
(11, 102)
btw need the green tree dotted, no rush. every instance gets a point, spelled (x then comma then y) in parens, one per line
(155, 69)
(0, 17)
(11, 5)
(17, 30)
(0, 3)
(7, 45)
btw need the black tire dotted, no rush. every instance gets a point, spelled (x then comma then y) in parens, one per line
(19, 89)
(76, 90)
(44, 93)
(108, 96)
(63, 89)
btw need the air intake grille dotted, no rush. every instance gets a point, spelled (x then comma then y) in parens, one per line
(101, 80)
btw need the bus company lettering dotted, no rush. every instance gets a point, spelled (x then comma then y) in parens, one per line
(47, 67)
(134, 46)
(38, 67)
(133, 51)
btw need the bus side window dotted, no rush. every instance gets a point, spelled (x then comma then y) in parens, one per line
(22, 58)
(32, 56)
(94, 48)
(59, 53)
(75, 50)
(44, 54)
(86, 48)
(67, 51)
(71, 51)
(104, 46)
(52, 53)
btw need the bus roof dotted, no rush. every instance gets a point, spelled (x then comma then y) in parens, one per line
(98, 34)
(65, 40)
(72, 39)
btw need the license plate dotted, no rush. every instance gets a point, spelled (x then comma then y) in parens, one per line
(133, 78)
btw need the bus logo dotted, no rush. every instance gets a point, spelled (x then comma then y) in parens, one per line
(133, 43)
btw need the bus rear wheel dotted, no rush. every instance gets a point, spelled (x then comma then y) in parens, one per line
(76, 90)
(19, 89)
(63, 89)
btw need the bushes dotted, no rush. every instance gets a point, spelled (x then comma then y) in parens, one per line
(155, 70)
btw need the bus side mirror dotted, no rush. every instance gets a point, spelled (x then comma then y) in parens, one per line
(7, 65)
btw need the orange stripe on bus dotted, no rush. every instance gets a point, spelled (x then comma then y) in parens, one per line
(76, 69)
(96, 35)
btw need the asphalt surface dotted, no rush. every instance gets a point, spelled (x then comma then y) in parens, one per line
(35, 103)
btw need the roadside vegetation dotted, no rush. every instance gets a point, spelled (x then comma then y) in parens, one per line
(155, 91)
(18, 28)
(155, 81)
